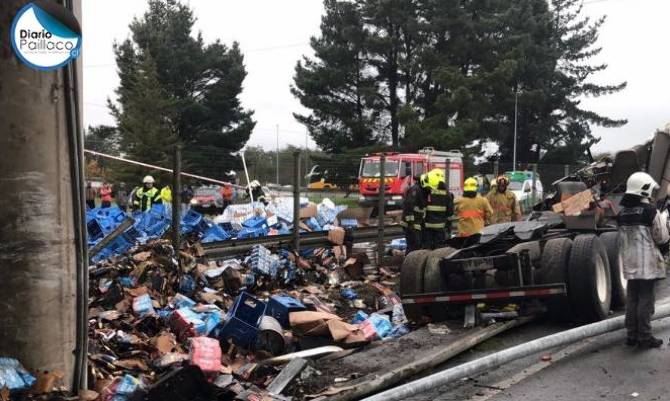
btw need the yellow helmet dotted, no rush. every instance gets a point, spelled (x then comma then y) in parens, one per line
(435, 177)
(423, 180)
(470, 185)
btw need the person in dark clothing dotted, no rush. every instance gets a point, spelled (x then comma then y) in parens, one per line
(413, 211)
(439, 208)
(643, 231)
(90, 196)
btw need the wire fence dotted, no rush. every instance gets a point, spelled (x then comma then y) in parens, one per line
(320, 175)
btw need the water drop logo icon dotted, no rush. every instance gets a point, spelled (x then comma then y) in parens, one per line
(45, 35)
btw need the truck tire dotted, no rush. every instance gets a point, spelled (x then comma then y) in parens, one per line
(619, 283)
(589, 284)
(434, 281)
(554, 269)
(411, 281)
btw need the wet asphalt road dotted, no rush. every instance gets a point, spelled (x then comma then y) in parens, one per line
(600, 368)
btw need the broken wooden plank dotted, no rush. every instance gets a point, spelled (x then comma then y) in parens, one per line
(287, 375)
(127, 223)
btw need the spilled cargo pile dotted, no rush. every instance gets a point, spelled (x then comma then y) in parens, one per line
(224, 329)
(178, 326)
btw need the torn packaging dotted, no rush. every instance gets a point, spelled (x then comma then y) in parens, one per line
(322, 324)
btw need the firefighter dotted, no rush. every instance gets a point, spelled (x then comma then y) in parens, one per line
(503, 202)
(473, 210)
(439, 207)
(643, 232)
(147, 195)
(413, 211)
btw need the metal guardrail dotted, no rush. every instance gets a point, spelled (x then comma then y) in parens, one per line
(310, 240)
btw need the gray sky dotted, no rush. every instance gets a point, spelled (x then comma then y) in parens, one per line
(274, 34)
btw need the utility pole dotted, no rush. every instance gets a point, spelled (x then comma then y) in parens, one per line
(277, 155)
(516, 112)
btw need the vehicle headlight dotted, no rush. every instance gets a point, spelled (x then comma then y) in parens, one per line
(396, 197)
(361, 198)
(194, 201)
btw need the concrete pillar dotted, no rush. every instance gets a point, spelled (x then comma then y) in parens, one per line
(37, 243)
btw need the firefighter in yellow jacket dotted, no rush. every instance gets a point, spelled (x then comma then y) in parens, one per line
(473, 210)
(504, 203)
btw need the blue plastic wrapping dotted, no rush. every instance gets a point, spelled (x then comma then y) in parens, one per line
(143, 306)
(359, 317)
(348, 293)
(187, 284)
(182, 301)
(14, 376)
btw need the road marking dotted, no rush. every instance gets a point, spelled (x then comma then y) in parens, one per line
(497, 388)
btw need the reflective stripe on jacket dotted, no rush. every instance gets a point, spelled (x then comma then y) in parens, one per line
(439, 207)
(505, 207)
(641, 230)
(473, 214)
(413, 207)
(144, 199)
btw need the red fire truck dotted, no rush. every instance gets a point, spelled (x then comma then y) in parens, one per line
(400, 170)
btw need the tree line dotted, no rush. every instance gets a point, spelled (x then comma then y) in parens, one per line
(447, 73)
(386, 74)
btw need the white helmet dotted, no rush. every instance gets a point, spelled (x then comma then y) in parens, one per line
(641, 184)
(255, 184)
(231, 173)
(148, 180)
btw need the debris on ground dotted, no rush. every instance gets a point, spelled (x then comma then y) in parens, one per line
(175, 325)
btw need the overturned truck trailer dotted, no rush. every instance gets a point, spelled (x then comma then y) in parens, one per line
(570, 261)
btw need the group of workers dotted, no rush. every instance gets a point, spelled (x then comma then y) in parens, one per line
(428, 209)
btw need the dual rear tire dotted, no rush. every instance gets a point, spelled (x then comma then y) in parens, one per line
(584, 265)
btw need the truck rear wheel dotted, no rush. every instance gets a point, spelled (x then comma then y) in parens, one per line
(411, 280)
(610, 240)
(554, 269)
(589, 283)
(435, 281)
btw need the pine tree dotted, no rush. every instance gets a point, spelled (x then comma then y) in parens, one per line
(146, 123)
(336, 85)
(195, 86)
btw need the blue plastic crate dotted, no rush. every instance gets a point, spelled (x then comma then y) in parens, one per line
(241, 324)
(95, 231)
(191, 218)
(255, 222)
(279, 307)
(215, 233)
(252, 232)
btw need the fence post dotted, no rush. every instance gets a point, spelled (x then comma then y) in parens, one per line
(533, 191)
(381, 212)
(296, 201)
(176, 191)
(566, 170)
(496, 167)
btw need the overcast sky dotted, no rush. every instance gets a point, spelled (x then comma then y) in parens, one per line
(274, 34)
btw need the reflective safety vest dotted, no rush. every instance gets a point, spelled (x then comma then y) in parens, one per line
(439, 208)
(166, 194)
(505, 207)
(473, 214)
(144, 199)
(413, 208)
